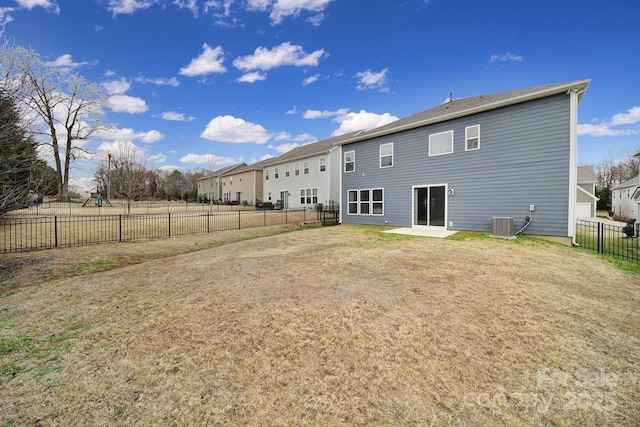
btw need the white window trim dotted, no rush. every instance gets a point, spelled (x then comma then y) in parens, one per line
(353, 156)
(323, 163)
(370, 202)
(466, 138)
(305, 167)
(441, 133)
(391, 155)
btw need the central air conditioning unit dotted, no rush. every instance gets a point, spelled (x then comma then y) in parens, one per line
(502, 226)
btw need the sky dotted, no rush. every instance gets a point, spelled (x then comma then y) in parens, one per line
(210, 83)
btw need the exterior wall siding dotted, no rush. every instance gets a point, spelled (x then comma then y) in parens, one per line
(293, 184)
(523, 160)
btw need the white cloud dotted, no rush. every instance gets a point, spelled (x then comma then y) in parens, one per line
(282, 136)
(507, 57)
(119, 146)
(208, 159)
(317, 114)
(632, 116)
(169, 168)
(5, 16)
(210, 61)
(160, 81)
(252, 77)
(174, 116)
(284, 54)
(191, 5)
(151, 136)
(351, 122)
(127, 104)
(47, 4)
(65, 61)
(235, 130)
(316, 20)
(283, 8)
(372, 80)
(283, 148)
(294, 110)
(311, 79)
(613, 127)
(128, 134)
(305, 138)
(157, 158)
(116, 87)
(259, 5)
(129, 6)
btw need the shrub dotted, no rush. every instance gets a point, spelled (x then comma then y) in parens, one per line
(630, 228)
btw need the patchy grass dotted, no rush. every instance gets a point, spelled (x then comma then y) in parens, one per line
(328, 326)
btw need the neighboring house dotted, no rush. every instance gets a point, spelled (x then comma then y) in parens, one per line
(624, 199)
(243, 184)
(586, 200)
(458, 165)
(212, 187)
(305, 176)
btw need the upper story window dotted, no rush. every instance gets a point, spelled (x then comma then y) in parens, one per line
(349, 161)
(386, 155)
(323, 164)
(275, 173)
(230, 180)
(266, 174)
(472, 137)
(441, 143)
(306, 168)
(296, 169)
(287, 171)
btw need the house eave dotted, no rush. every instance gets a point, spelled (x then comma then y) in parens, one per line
(579, 87)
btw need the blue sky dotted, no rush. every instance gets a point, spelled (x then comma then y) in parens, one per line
(197, 83)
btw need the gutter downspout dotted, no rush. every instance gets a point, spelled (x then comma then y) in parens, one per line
(573, 163)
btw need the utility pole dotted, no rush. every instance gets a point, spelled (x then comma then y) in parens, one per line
(109, 181)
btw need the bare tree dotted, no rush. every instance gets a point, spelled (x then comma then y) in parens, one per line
(60, 109)
(611, 172)
(128, 176)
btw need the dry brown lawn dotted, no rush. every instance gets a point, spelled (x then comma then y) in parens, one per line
(323, 326)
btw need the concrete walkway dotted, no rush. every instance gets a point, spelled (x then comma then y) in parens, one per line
(424, 232)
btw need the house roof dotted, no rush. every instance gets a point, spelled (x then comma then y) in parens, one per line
(222, 171)
(245, 168)
(586, 175)
(467, 106)
(633, 182)
(312, 149)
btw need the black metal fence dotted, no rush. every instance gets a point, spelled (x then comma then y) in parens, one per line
(609, 239)
(34, 233)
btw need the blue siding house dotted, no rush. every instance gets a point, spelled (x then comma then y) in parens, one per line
(462, 163)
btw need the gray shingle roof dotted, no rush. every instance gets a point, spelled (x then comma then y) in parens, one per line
(586, 175)
(312, 149)
(467, 106)
(222, 171)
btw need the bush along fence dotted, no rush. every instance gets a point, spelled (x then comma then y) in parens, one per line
(34, 233)
(608, 239)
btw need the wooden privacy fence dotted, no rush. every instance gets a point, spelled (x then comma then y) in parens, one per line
(34, 233)
(608, 239)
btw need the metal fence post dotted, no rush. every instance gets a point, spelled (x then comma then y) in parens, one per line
(169, 218)
(55, 229)
(120, 228)
(238, 219)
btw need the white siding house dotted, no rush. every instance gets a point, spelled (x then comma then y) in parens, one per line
(305, 176)
(624, 203)
(213, 186)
